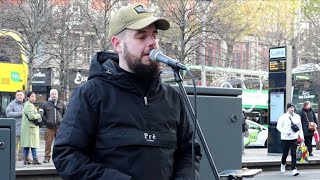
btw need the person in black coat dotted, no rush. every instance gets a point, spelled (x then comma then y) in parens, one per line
(307, 115)
(124, 123)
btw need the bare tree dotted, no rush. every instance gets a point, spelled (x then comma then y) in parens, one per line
(184, 38)
(65, 44)
(310, 43)
(97, 16)
(32, 19)
(311, 31)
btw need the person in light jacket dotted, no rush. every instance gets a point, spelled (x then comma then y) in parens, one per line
(29, 130)
(289, 137)
(14, 110)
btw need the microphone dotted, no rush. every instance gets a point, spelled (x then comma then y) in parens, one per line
(158, 56)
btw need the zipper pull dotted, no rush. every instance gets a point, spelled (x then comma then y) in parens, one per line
(145, 101)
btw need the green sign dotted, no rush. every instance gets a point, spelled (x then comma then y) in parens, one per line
(15, 76)
(257, 99)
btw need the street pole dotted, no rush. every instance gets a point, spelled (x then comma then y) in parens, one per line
(203, 61)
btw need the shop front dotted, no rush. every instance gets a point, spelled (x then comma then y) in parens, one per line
(41, 83)
(76, 78)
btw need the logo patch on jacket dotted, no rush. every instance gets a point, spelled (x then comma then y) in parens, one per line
(149, 137)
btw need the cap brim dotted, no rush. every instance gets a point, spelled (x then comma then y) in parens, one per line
(160, 23)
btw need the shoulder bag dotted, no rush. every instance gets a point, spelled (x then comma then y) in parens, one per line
(294, 127)
(311, 125)
(37, 122)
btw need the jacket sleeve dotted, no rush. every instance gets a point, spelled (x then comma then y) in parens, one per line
(315, 119)
(44, 116)
(75, 142)
(30, 110)
(301, 134)
(280, 125)
(10, 113)
(183, 155)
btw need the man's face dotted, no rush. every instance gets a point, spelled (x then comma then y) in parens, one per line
(19, 96)
(54, 95)
(308, 106)
(291, 109)
(134, 51)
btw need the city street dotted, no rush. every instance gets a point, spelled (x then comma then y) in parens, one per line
(305, 174)
(252, 155)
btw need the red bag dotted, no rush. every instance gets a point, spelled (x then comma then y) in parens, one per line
(299, 140)
(316, 136)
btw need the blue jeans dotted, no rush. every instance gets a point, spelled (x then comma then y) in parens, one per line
(33, 152)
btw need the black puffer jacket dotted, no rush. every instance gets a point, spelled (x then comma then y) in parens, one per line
(111, 130)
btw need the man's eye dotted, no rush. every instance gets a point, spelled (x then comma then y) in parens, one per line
(141, 37)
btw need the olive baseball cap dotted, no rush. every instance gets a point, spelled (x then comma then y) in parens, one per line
(134, 17)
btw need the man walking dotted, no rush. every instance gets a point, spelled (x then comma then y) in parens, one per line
(14, 110)
(289, 137)
(53, 111)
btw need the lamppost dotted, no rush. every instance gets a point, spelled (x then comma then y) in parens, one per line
(204, 6)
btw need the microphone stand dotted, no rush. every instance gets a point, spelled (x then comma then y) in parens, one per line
(178, 79)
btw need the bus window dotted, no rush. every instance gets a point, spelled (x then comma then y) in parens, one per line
(8, 50)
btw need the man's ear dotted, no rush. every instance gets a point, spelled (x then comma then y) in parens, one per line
(116, 43)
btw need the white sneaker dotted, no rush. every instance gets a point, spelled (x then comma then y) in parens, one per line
(283, 168)
(295, 172)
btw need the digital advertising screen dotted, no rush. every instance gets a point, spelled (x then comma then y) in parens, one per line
(277, 102)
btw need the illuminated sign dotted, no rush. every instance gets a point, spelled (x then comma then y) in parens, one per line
(277, 65)
(277, 53)
(277, 100)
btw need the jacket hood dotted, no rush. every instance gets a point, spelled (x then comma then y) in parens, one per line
(104, 66)
(101, 63)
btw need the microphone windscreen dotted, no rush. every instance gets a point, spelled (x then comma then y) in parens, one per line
(153, 54)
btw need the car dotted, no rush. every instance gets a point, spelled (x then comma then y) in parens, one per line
(258, 135)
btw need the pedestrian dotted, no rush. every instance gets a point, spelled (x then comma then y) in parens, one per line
(30, 129)
(124, 122)
(308, 115)
(14, 110)
(289, 137)
(53, 111)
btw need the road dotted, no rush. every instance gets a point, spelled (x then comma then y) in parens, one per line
(305, 174)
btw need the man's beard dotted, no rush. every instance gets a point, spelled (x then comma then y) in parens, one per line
(141, 70)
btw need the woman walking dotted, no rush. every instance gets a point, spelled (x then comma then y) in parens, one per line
(307, 115)
(30, 129)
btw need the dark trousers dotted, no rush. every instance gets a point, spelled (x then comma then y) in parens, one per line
(308, 142)
(292, 146)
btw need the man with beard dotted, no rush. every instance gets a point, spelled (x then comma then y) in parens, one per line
(124, 123)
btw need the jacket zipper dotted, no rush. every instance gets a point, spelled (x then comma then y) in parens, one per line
(145, 100)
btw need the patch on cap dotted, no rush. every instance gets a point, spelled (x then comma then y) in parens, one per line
(140, 9)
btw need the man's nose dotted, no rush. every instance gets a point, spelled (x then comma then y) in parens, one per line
(152, 41)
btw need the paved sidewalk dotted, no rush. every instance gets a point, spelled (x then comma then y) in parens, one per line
(261, 155)
(260, 158)
(253, 157)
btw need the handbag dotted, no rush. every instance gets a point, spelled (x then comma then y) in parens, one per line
(37, 122)
(311, 125)
(302, 154)
(294, 127)
(316, 136)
